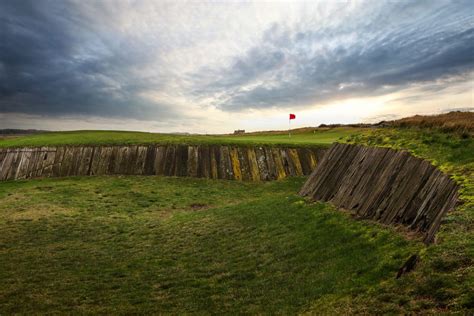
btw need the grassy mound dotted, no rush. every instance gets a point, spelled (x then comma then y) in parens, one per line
(445, 278)
(176, 245)
(304, 137)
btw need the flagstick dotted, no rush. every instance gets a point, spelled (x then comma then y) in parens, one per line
(289, 130)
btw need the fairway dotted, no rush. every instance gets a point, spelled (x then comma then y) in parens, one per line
(153, 244)
(315, 137)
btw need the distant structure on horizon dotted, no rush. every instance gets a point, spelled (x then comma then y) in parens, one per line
(239, 131)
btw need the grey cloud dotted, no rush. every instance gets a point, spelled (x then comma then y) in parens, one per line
(386, 49)
(71, 58)
(57, 61)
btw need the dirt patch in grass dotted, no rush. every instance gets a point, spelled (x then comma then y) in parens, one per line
(37, 212)
(198, 206)
(13, 197)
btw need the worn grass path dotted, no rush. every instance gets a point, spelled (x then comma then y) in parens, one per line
(177, 245)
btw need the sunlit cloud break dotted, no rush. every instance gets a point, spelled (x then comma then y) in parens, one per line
(215, 67)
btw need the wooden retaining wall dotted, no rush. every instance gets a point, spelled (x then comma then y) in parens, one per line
(389, 186)
(216, 162)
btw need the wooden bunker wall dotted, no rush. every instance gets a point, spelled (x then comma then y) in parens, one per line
(216, 162)
(386, 185)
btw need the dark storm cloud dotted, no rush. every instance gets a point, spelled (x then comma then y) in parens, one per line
(388, 48)
(89, 58)
(56, 61)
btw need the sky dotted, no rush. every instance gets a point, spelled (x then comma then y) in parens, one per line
(213, 67)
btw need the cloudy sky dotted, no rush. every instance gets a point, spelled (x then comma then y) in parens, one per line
(212, 67)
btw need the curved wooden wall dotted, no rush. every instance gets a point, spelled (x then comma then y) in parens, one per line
(216, 162)
(389, 186)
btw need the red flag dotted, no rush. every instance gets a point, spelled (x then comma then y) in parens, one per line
(292, 116)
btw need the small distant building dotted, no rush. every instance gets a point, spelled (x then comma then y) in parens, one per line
(239, 131)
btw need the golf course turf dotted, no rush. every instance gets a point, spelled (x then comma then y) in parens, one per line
(148, 244)
(155, 244)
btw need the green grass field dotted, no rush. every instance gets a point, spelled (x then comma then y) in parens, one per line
(446, 273)
(151, 244)
(120, 245)
(321, 137)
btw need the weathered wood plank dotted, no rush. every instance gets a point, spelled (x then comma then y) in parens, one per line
(281, 171)
(160, 160)
(48, 162)
(141, 160)
(216, 162)
(390, 186)
(170, 161)
(253, 164)
(150, 156)
(234, 156)
(192, 161)
(244, 163)
(261, 164)
(295, 161)
(204, 162)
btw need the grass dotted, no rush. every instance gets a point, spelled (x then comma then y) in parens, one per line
(120, 245)
(168, 245)
(445, 278)
(459, 122)
(305, 137)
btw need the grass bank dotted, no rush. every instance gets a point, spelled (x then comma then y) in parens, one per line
(444, 279)
(120, 245)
